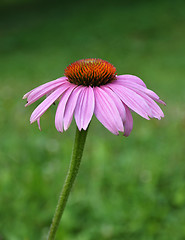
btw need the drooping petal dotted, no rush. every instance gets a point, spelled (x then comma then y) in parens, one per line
(120, 106)
(131, 99)
(123, 110)
(84, 108)
(130, 78)
(39, 111)
(156, 111)
(107, 112)
(45, 85)
(160, 101)
(134, 86)
(70, 107)
(38, 122)
(35, 95)
(128, 123)
(59, 117)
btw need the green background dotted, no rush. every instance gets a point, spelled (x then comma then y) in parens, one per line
(127, 188)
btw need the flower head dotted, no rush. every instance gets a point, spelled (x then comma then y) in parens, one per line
(91, 86)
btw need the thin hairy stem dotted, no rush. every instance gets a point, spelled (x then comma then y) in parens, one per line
(70, 178)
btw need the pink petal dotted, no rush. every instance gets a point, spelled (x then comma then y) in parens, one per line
(120, 106)
(130, 78)
(84, 108)
(155, 109)
(35, 95)
(134, 86)
(123, 110)
(128, 123)
(160, 101)
(38, 122)
(59, 117)
(27, 94)
(70, 107)
(48, 84)
(107, 112)
(40, 110)
(131, 99)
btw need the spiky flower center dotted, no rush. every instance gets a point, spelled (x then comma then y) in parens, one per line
(90, 72)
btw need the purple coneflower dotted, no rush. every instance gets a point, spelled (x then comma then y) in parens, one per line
(91, 86)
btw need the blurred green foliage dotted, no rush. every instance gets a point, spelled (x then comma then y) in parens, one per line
(128, 188)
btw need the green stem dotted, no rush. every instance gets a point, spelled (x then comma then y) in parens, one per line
(79, 143)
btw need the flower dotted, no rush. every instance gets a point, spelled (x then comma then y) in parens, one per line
(91, 86)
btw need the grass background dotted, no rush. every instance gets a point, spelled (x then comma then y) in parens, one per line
(128, 188)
